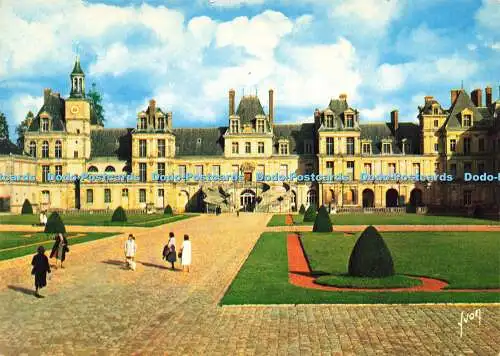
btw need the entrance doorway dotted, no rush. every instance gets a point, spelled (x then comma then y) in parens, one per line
(247, 200)
(391, 198)
(368, 198)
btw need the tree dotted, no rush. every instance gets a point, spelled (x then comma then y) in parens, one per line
(168, 210)
(55, 224)
(95, 98)
(4, 127)
(27, 208)
(21, 129)
(302, 209)
(370, 256)
(310, 214)
(322, 222)
(119, 215)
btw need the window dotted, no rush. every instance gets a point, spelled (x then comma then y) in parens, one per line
(436, 147)
(182, 171)
(366, 148)
(45, 149)
(75, 154)
(90, 196)
(234, 125)
(235, 169)
(329, 167)
(467, 120)
(92, 169)
(142, 172)
(453, 169)
(386, 148)
(284, 170)
(198, 170)
(161, 193)
(329, 120)
(367, 168)
(467, 198)
(392, 168)
(58, 170)
(308, 147)
(235, 147)
(311, 197)
(309, 168)
(350, 169)
(45, 197)
(161, 169)
(261, 170)
(32, 149)
(435, 111)
(142, 195)
(58, 151)
(216, 170)
(436, 167)
(480, 145)
(107, 195)
(329, 145)
(142, 148)
(349, 121)
(416, 168)
(466, 145)
(142, 123)
(467, 167)
(350, 146)
(161, 148)
(260, 147)
(45, 173)
(248, 147)
(45, 125)
(260, 126)
(406, 147)
(453, 145)
(124, 193)
(436, 123)
(283, 148)
(110, 169)
(161, 123)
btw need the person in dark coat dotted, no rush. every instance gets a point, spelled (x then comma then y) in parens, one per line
(40, 269)
(59, 249)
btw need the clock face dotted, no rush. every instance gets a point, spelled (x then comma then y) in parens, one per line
(74, 109)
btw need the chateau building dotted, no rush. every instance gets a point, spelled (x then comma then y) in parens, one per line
(65, 139)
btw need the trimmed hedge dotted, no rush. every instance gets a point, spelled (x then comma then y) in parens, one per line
(310, 214)
(302, 209)
(168, 210)
(27, 208)
(322, 222)
(119, 215)
(55, 224)
(370, 256)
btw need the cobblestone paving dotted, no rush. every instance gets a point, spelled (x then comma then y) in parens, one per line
(94, 306)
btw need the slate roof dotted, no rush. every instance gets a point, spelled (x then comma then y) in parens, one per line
(248, 108)
(54, 106)
(7, 147)
(77, 69)
(296, 134)
(338, 106)
(111, 143)
(199, 141)
(377, 132)
(462, 102)
(427, 108)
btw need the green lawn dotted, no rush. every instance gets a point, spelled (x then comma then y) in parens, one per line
(98, 219)
(17, 239)
(399, 219)
(465, 260)
(396, 281)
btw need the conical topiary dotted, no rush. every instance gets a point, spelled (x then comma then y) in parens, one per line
(310, 213)
(27, 208)
(55, 224)
(302, 209)
(119, 215)
(322, 222)
(370, 257)
(168, 210)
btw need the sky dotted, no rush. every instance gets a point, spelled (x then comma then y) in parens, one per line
(384, 54)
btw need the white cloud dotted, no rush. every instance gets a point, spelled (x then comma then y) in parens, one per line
(21, 104)
(379, 113)
(390, 77)
(488, 16)
(234, 3)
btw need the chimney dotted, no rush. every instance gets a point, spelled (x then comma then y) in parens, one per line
(343, 97)
(46, 95)
(231, 102)
(428, 98)
(395, 119)
(454, 95)
(169, 120)
(271, 106)
(489, 97)
(477, 97)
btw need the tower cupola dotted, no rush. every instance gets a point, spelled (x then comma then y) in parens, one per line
(77, 81)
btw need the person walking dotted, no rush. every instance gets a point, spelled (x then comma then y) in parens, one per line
(59, 249)
(41, 267)
(55, 248)
(130, 251)
(169, 253)
(185, 254)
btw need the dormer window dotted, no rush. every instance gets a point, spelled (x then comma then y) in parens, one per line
(283, 148)
(435, 111)
(366, 148)
(349, 121)
(161, 123)
(386, 148)
(260, 126)
(235, 125)
(45, 124)
(142, 123)
(467, 120)
(329, 120)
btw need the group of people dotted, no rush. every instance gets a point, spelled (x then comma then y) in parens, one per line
(41, 265)
(43, 218)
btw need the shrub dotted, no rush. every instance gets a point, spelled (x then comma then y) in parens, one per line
(27, 208)
(322, 222)
(370, 256)
(302, 209)
(55, 224)
(119, 215)
(168, 210)
(310, 213)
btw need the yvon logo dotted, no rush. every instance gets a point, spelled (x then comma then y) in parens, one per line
(468, 317)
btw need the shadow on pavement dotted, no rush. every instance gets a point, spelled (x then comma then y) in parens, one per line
(153, 265)
(120, 263)
(22, 290)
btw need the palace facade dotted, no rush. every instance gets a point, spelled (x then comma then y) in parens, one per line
(66, 138)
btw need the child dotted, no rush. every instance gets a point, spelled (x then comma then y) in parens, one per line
(40, 269)
(130, 251)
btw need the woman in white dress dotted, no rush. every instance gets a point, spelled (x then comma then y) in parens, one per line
(130, 251)
(186, 254)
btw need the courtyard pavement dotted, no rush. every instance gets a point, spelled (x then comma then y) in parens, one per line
(94, 306)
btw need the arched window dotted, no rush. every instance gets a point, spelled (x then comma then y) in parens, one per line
(93, 169)
(33, 149)
(110, 169)
(311, 197)
(58, 149)
(45, 149)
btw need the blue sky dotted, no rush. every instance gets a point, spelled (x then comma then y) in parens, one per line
(384, 54)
